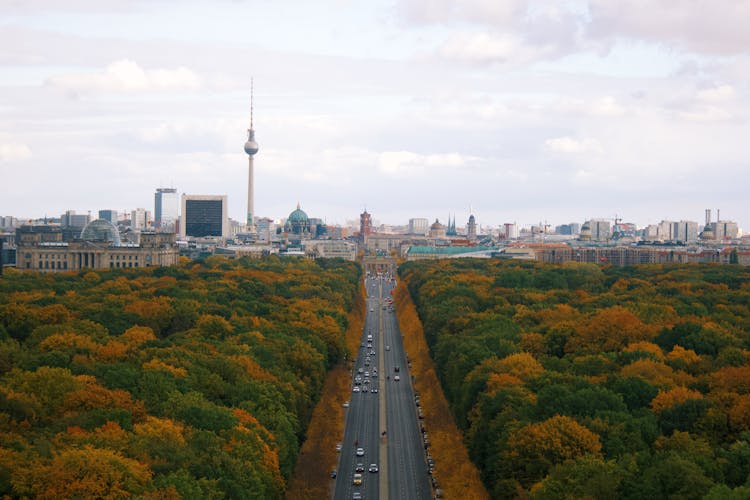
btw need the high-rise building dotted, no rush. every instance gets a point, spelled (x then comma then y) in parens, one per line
(140, 218)
(510, 231)
(204, 215)
(109, 216)
(166, 209)
(686, 231)
(251, 148)
(418, 226)
(71, 219)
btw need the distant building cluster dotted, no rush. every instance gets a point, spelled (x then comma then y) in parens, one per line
(197, 225)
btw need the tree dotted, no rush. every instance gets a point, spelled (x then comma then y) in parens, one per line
(534, 448)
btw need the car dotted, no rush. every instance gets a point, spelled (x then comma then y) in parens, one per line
(359, 468)
(372, 310)
(355, 389)
(356, 495)
(373, 468)
(360, 452)
(357, 479)
(396, 369)
(333, 474)
(367, 374)
(395, 378)
(360, 370)
(374, 389)
(387, 348)
(338, 446)
(345, 404)
(364, 389)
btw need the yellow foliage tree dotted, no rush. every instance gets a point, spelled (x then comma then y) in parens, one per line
(677, 395)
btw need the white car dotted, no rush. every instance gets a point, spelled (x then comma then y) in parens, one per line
(360, 452)
(355, 389)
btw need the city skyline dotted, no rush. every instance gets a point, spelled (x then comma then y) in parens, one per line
(527, 112)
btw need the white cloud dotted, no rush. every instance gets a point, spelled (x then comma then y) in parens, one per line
(720, 93)
(127, 76)
(449, 11)
(14, 152)
(570, 145)
(479, 48)
(703, 26)
(409, 164)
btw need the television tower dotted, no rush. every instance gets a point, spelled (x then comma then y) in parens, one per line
(251, 147)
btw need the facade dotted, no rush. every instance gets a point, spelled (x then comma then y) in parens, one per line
(365, 226)
(471, 228)
(725, 230)
(41, 248)
(140, 218)
(437, 230)
(332, 249)
(510, 231)
(298, 223)
(418, 226)
(71, 219)
(266, 229)
(166, 209)
(109, 215)
(204, 216)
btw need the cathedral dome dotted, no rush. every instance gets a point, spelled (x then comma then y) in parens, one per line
(101, 230)
(298, 216)
(436, 226)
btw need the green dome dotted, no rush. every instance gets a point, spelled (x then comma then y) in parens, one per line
(298, 216)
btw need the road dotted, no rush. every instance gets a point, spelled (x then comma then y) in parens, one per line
(385, 423)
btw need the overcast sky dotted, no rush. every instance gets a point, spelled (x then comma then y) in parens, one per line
(522, 111)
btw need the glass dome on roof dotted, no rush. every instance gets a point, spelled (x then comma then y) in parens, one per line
(102, 231)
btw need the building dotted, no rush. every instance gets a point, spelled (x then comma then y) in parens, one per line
(298, 224)
(8, 222)
(365, 226)
(568, 229)
(41, 248)
(437, 230)
(510, 231)
(140, 218)
(418, 226)
(109, 215)
(686, 231)
(332, 249)
(471, 228)
(166, 209)
(266, 229)
(204, 216)
(73, 220)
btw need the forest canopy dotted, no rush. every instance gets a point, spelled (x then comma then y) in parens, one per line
(587, 381)
(194, 381)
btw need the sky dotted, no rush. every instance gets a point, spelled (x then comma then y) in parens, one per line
(516, 111)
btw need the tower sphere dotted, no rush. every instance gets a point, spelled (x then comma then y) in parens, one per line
(251, 147)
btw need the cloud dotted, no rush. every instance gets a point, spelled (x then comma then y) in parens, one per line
(703, 26)
(409, 164)
(569, 145)
(127, 76)
(14, 152)
(448, 11)
(720, 93)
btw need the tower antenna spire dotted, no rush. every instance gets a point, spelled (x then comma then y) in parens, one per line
(251, 103)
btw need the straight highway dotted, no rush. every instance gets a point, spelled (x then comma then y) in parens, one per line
(382, 428)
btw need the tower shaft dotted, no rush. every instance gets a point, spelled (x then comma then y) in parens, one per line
(250, 196)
